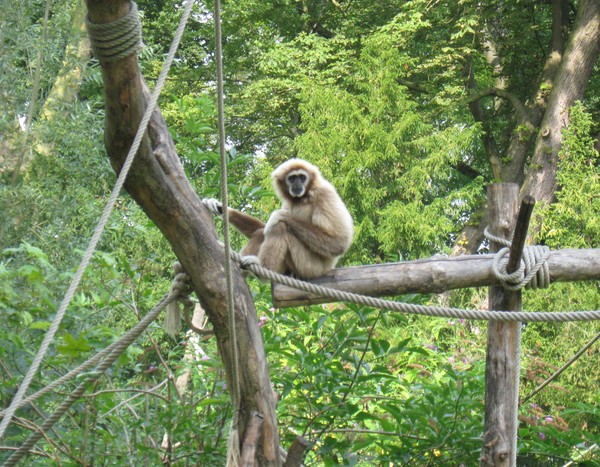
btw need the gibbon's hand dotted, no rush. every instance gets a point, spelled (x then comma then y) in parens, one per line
(213, 205)
(276, 217)
(246, 261)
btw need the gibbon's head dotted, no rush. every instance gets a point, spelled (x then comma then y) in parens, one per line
(293, 179)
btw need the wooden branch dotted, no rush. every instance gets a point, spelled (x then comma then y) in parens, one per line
(568, 86)
(296, 453)
(434, 275)
(410, 85)
(158, 184)
(519, 107)
(520, 234)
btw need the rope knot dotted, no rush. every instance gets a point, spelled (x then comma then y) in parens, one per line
(117, 39)
(533, 270)
(179, 293)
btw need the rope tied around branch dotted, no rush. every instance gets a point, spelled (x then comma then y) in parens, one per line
(180, 289)
(533, 270)
(117, 39)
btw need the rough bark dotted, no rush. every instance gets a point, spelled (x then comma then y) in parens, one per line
(158, 184)
(569, 86)
(526, 123)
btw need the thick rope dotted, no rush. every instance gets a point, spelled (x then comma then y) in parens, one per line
(533, 270)
(233, 449)
(178, 290)
(423, 310)
(35, 364)
(117, 39)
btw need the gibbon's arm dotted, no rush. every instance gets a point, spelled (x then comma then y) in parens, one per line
(245, 223)
(316, 239)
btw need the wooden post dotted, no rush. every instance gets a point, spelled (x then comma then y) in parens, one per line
(502, 343)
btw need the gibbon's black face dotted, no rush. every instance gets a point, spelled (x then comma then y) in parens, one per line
(297, 182)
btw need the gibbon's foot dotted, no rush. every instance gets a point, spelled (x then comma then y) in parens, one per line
(248, 261)
(214, 205)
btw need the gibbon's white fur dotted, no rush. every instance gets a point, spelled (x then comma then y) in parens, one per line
(308, 235)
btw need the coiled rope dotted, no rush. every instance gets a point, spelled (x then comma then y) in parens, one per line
(179, 291)
(117, 39)
(532, 272)
(35, 364)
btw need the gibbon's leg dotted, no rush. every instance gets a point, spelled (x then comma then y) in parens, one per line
(252, 248)
(274, 249)
(316, 240)
(282, 252)
(305, 263)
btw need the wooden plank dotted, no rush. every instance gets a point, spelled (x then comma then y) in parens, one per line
(433, 275)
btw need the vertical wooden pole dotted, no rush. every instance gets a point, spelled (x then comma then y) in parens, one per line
(502, 344)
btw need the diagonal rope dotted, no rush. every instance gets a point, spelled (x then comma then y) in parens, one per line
(179, 286)
(35, 364)
(558, 372)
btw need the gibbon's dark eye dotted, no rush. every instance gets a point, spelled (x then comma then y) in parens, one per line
(300, 178)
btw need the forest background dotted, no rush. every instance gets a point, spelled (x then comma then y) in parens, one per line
(409, 109)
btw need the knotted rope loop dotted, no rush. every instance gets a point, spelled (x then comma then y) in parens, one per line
(117, 39)
(180, 286)
(179, 293)
(533, 270)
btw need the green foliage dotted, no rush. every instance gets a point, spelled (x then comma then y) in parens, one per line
(574, 221)
(396, 170)
(571, 222)
(364, 394)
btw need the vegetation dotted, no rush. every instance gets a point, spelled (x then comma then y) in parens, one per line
(410, 109)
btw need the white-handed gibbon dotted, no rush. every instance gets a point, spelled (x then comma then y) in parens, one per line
(307, 236)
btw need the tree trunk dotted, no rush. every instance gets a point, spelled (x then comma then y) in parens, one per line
(570, 84)
(158, 184)
(527, 121)
(66, 85)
